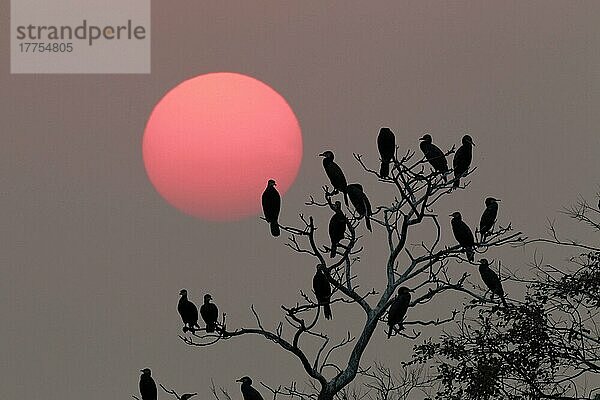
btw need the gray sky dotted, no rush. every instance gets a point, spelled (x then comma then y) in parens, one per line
(93, 258)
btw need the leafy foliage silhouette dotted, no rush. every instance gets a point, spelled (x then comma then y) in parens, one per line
(544, 347)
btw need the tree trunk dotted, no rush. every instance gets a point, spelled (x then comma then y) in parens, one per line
(325, 394)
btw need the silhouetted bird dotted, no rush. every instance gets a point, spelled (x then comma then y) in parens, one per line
(488, 218)
(209, 313)
(398, 309)
(434, 155)
(188, 312)
(360, 201)
(463, 235)
(462, 159)
(248, 392)
(147, 385)
(491, 280)
(187, 396)
(335, 174)
(271, 203)
(386, 144)
(322, 289)
(337, 227)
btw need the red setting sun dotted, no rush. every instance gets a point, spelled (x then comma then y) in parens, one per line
(212, 143)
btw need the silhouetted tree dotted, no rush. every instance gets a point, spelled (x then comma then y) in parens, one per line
(545, 346)
(423, 269)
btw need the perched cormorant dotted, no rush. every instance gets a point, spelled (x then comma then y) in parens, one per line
(209, 313)
(463, 235)
(337, 227)
(491, 280)
(147, 385)
(335, 174)
(188, 312)
(434, 155)
(360, 201)
(271, 203)
(386, 144)
(462, 159)
(398, 309)
(248, 392)
(488, 218)
(322, 289)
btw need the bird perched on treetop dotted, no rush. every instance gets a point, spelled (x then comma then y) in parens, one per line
(337, 227)
(398, 309)
(335, 174)
(360, 201)
(434, 155)
(488, 218)
(147, 385)
(322, 289)
(386, 144)
(209, 313)
(462, 159)
(271, 203)
(188, 312)
(463, 235)
(491, 280)
(248, 392)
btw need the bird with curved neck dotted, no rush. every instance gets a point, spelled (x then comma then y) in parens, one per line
(188, 312)
(488, 218)
(386, 144)
(334, 173)
(491, 280)
(271, 203)
(434, 155)
(209, 313)
(462, 159)
(248, 392)
(463, 235)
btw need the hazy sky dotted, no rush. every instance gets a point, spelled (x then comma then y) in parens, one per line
(93, 259)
